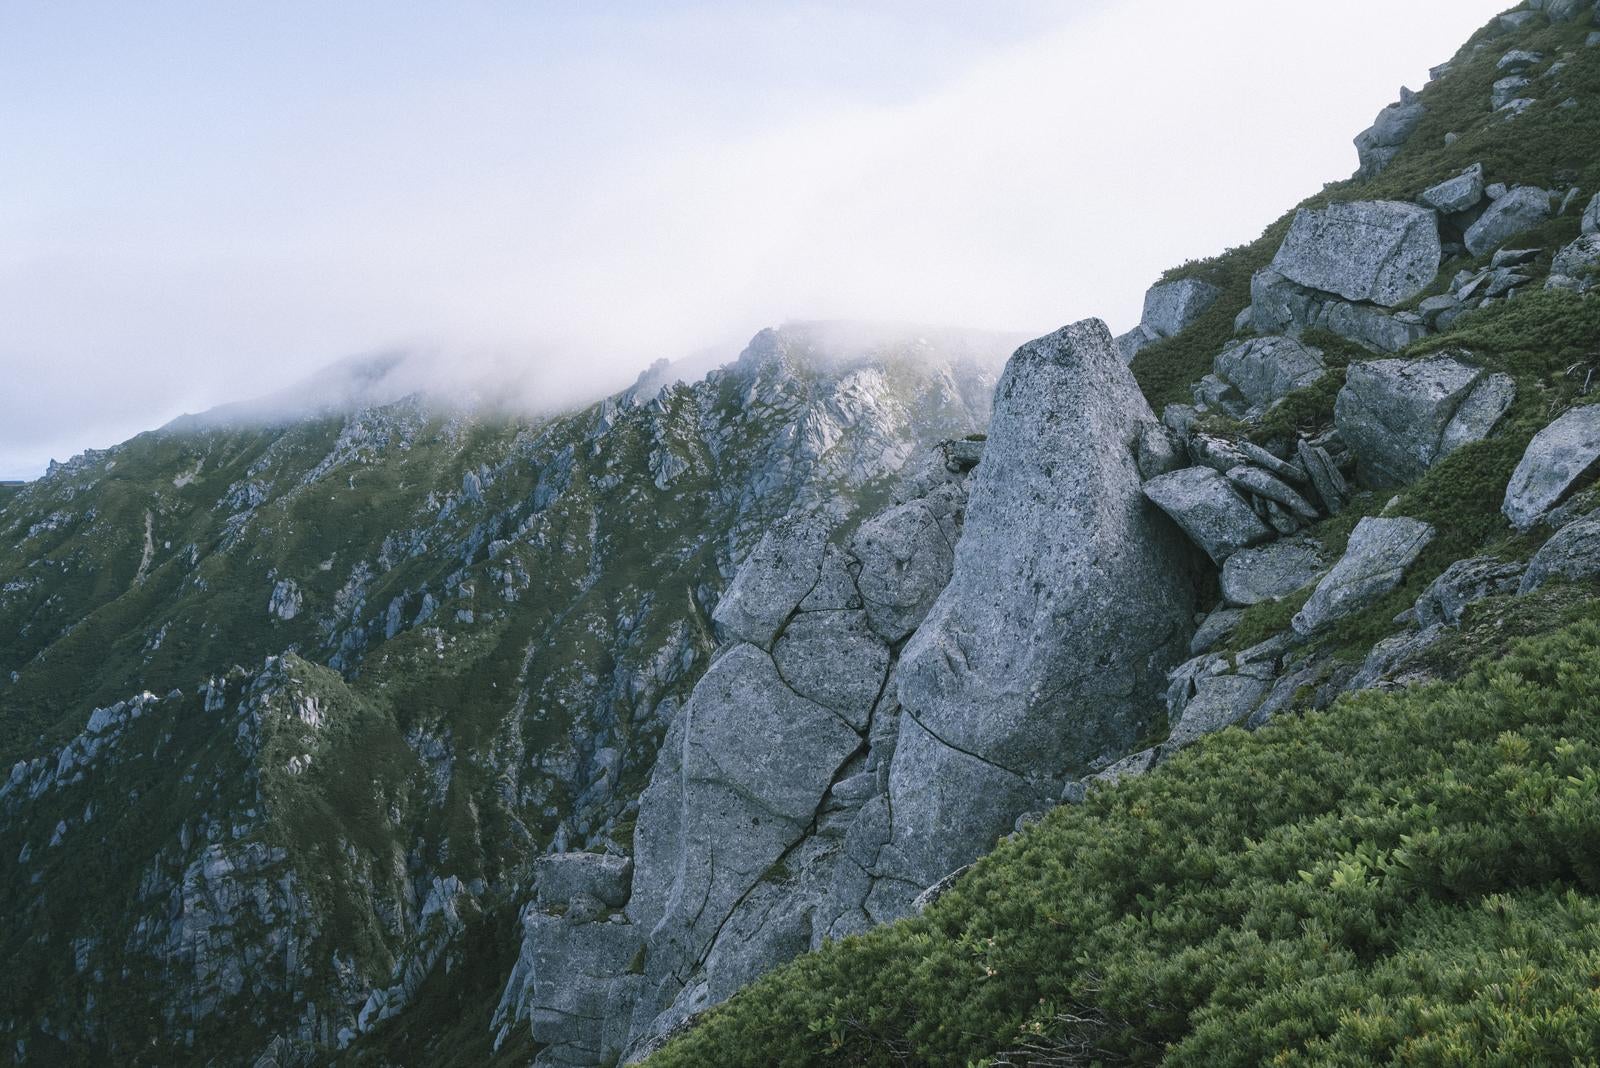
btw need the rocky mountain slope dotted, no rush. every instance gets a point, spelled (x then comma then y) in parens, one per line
(291, 705)
(548, 739)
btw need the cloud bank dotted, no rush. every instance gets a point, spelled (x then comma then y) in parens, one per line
(202, 205)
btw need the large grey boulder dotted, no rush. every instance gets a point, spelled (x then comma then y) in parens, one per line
(1573, 554)
(1591, 216)
(1566, 10)
(1464, 583)
(1070, 598)
(1507, 89)
(1373, 564)
(1281, 306)
(1379, 252)
(1130, 344)
(1209, 509)
(1557, 461)
(1458, 194)
(1261, 371)
(1402, 416)
(1170, 307)
(1272, 572)
(1378, 145)
(1520, 210)
(565, 985)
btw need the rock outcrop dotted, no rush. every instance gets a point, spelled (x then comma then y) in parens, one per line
(1374, 252)
(1373, 564)
(1518, 211)
(1378, 145)
(1252, 375)
(1169, 309)
(1403, 416)
(1069, 599)
(1556, 462)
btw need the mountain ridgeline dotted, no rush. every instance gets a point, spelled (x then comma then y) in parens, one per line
(884, 697)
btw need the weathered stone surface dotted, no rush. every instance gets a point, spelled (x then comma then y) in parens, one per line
(1557, 461)
(773, 581)
(1380, 252)
(1272, 572)
(905, 558)
(1218, 702)
(1463, 583)
(1217, 626)
(754, 762)
(1378, 145)
(1457, 194)
(1403, 416)
(1130, 343)
(1572, 553)
(1170, 307)
(1281, 306)
(1159, 453)
(1591, 216)
(1325, 476)
(834, 659)
(1070, 597)
(1255, 481)
(1566, 10)
(1374, 563)
(1506, 90)
(1264, 370)
(562, 984)
(1393, 654)
(561, 876)
(1520, 210)
(1575, 265)
(1210, 511)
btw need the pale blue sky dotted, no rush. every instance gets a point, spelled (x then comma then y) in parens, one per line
(202, 201)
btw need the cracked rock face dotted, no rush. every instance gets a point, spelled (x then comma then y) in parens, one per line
(1023, 671)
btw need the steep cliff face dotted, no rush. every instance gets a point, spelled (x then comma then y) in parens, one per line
(887, 702)
(462, 637)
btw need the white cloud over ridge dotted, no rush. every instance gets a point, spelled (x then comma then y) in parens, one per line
(203, 209)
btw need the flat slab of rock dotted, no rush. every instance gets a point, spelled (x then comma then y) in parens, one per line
(1558, 459)
(1281, 306)
(1217, 626)
(1573, 554)
(1255, 481)
(1520, 210)
(559, 877)
(1378, 251)
(1373, 564)
(1403, 416)
(1271, 572)
(1209, 509)
(1456, 194)
(1464, 583)
(772, 581)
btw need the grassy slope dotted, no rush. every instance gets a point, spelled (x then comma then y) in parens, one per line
(1406, 878)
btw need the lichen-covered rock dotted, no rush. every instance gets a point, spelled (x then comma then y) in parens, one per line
(1374, 563)
(1518, 211)
(1262, 371)
(1169, 307)
(1591, 216)
(1458, 194)
(1378, 252)
(1209, 509)
(1069, 599)
(1272, 572)
(1572, 553)
(1577, 264)
(1378, 145)
(1402, 416)
(1557, 461)
(1463, 583)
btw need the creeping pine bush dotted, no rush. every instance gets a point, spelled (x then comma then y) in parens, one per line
(1406, 878)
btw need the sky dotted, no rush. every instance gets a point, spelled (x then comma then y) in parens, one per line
(202, 202)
